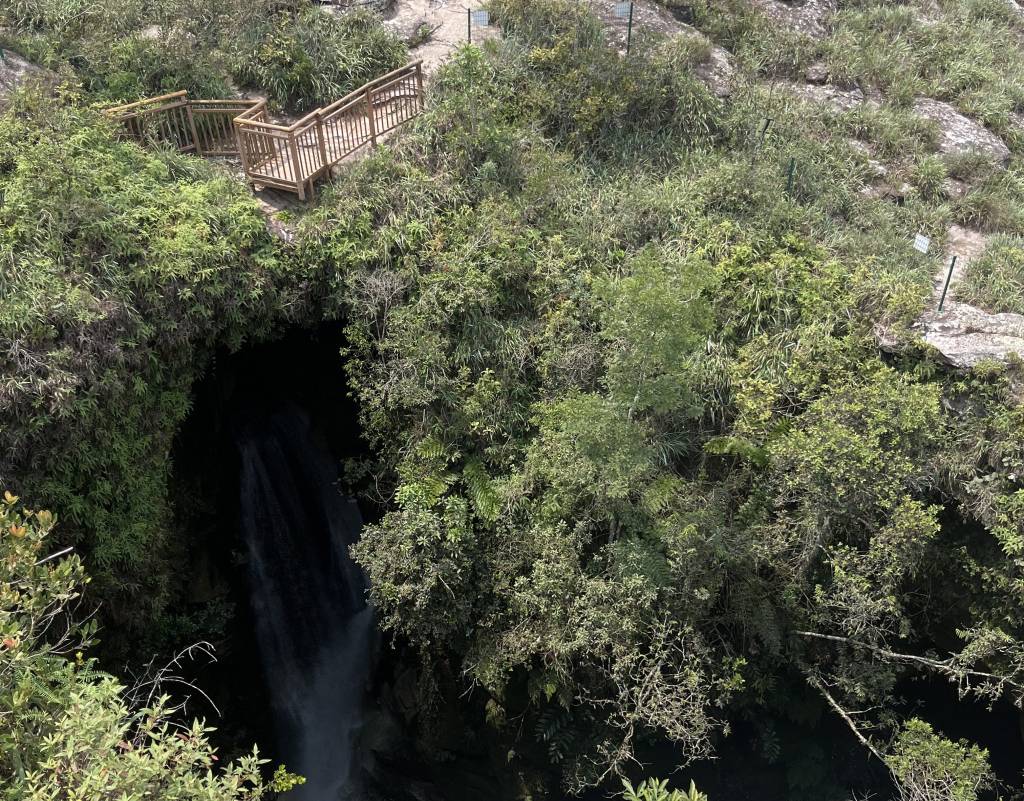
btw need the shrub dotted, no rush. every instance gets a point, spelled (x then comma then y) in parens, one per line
(308, 58)
(657, 790)
(66, 730)
(929, 767)
(995, 280)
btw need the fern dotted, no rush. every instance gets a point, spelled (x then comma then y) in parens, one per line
(554, 727)
(481, 491)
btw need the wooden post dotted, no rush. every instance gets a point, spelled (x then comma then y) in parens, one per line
(192, 127)
(321, 143)
(419, 85)
(369, 115)
(241, 140)
(300, 182)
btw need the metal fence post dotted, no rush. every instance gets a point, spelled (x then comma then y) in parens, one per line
(945, 288)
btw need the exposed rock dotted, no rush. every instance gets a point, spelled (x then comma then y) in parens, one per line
(895, 192)
(966, 335)
(840, 99)
(277, 207)
(16, 71)
(880, 169)
(716, 72)
(808, 17)
(960, 134)
(964, 243)
(953, 188)
(446, 20)
(816, 73)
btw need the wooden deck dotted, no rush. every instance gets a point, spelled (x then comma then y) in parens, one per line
(289, 157)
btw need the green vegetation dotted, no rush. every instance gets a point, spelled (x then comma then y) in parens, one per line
(995, 280)
(647, 476)
(929, 767)
(125, 268)
(306, 58)
(654, 790)
(298, 54)
(66, 730)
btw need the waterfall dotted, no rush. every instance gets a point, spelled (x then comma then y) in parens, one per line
(313, 625)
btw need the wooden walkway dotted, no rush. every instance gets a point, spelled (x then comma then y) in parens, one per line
(289, 157)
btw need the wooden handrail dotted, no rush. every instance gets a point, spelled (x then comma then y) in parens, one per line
(358, 93)
(272, 154)
(146, 101)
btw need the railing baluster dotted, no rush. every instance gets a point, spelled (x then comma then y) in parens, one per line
(290, 157)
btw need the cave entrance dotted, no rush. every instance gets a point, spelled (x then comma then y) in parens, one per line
(258, 488)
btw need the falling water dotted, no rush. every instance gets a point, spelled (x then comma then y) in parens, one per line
(313, 625)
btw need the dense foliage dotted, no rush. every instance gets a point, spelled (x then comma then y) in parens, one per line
(645, 474)
(66, 729)
(307, 58)
(298, 54)
(122, 270)
(649, 463)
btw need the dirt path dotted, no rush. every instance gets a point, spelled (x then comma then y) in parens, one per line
(966, 244)
(446, 19)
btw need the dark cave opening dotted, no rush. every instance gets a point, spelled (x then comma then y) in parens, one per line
(402, 757)
(301, 372)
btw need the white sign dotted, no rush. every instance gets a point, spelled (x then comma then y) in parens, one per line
(622, 10)
(922, 243)
(481, 19)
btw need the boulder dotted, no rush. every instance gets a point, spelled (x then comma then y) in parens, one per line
(839, 99)
(965, 335)
(817, 73)
(16, 71)
(808, 17)
(960, 134)
(717, 72)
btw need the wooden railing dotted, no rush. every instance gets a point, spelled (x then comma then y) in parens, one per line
(290, 157)
(203, 127)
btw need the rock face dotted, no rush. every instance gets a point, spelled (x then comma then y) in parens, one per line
(960, 134)
(840, 99)
(716, 72)
(801, 16)
(966, 335)
(967, 244)
(16, 71)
